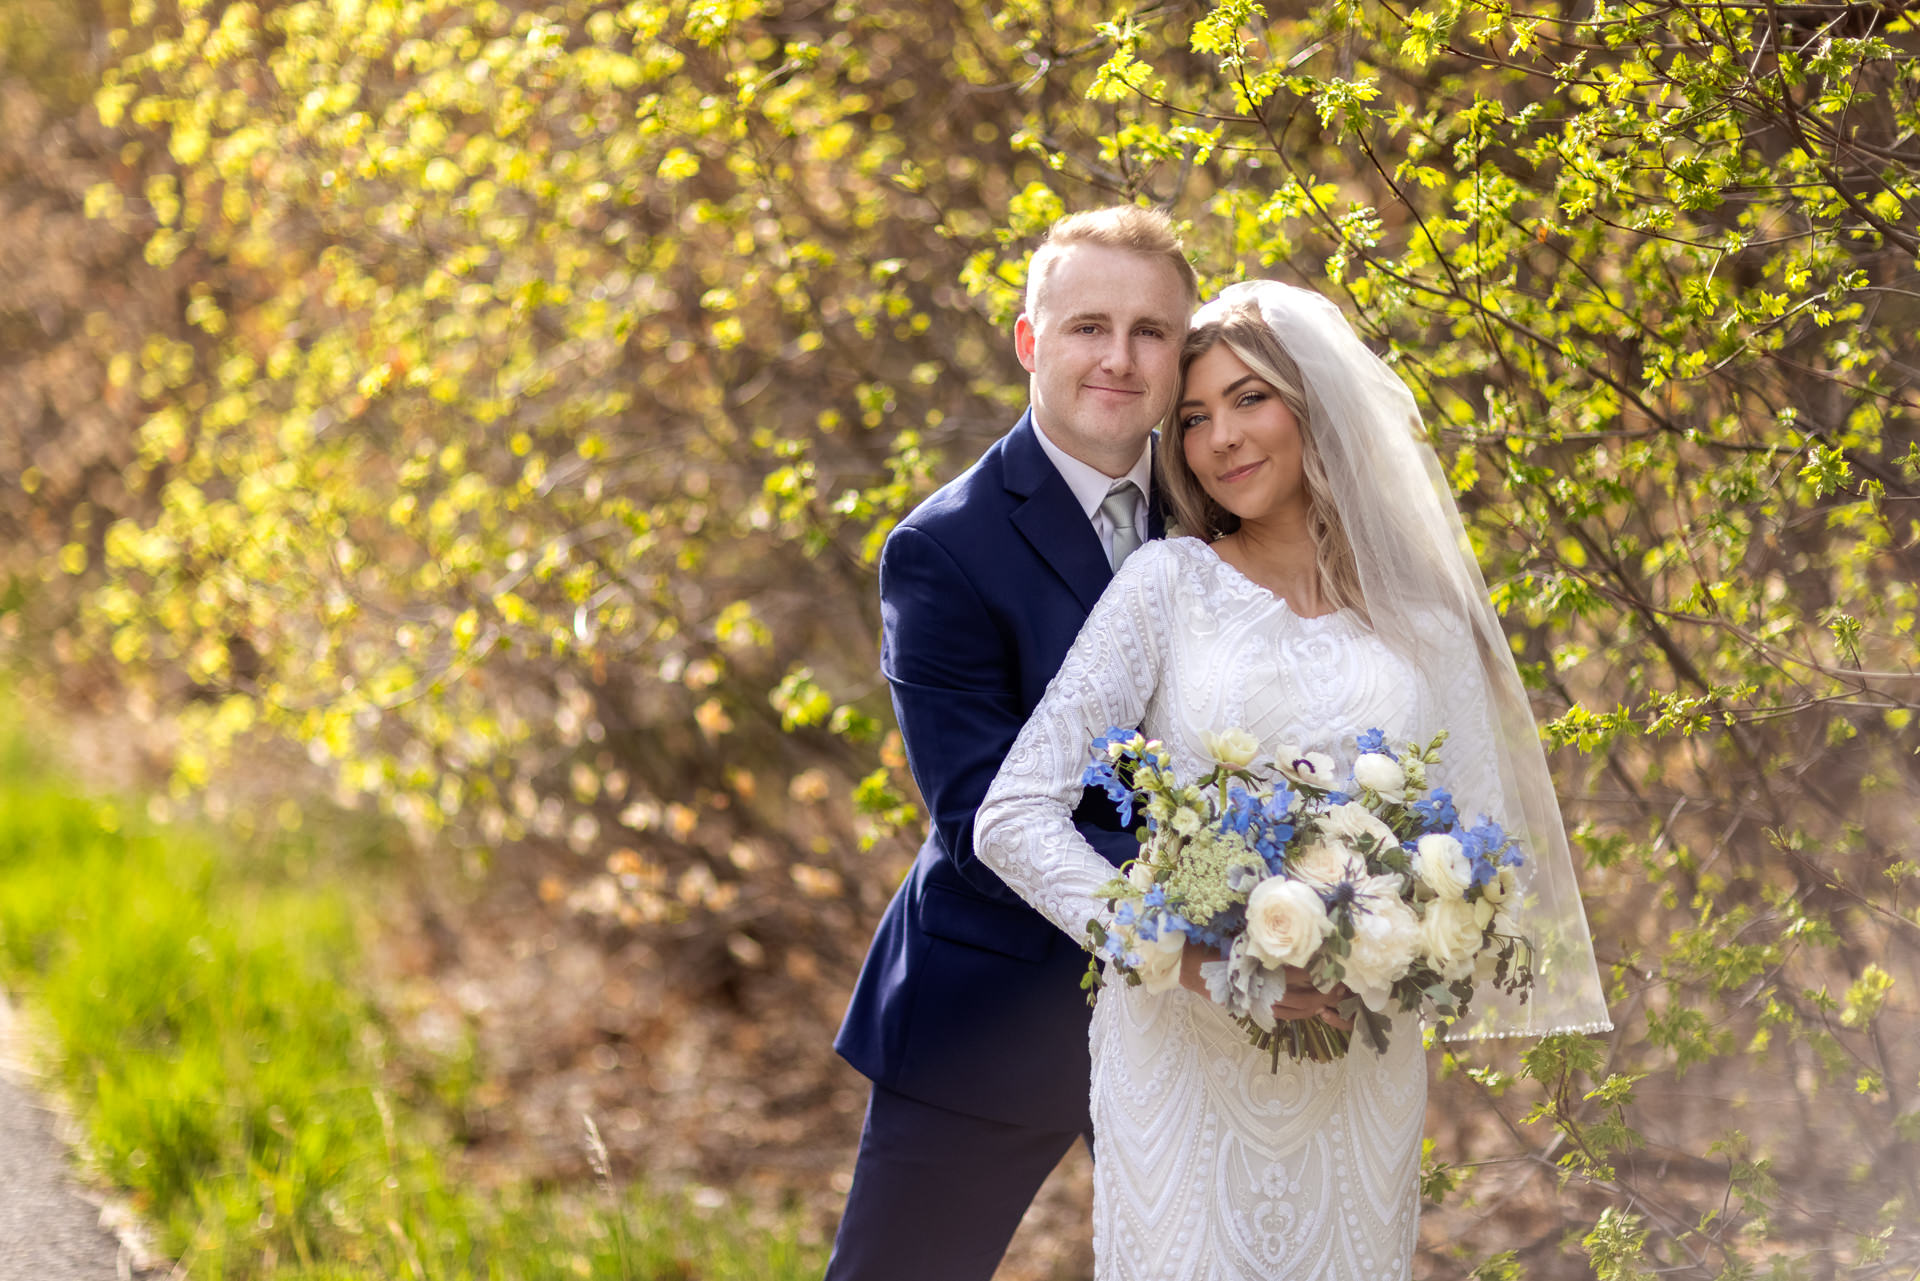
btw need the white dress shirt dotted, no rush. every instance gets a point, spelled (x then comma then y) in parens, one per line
(1090, 485)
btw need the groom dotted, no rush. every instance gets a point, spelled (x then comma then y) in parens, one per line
(968, 1015)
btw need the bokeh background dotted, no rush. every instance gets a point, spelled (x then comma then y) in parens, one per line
(444, 448)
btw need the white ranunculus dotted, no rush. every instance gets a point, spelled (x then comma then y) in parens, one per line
(1497, 889)
(1304, 766)
(1285, 922)
(1326, 863)
(1441, 862)
(1381, 774)
(1160, 960)
(1386, 941)
(1355, 824)
(1235, 748)
(1450, 936)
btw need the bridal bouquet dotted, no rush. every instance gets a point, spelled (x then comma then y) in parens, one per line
(1372, 881)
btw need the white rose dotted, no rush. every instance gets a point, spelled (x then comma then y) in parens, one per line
(1235, 748)
(1381, 774)
(1451, 937)
(1285, 922)
(1159, 968)
(1441, 862)
(1326, 863)
(1357, 825)
(1386, 940)
(1305, 766)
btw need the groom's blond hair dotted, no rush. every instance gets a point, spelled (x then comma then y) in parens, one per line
(1131, 227)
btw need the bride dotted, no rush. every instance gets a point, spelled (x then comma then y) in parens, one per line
(1326, 588)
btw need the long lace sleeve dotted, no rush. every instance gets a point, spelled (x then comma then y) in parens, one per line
(1024, 830)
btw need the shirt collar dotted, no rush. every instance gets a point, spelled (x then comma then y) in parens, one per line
(1088, 483)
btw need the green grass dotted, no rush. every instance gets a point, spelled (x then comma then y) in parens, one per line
(204, 1019)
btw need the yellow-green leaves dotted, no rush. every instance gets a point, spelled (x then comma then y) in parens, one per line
(539, 383)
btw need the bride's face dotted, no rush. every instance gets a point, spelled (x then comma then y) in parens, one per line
(1240, 439)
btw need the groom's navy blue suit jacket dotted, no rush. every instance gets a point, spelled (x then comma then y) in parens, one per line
(969, 999)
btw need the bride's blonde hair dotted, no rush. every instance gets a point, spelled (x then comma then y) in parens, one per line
(1248, 336)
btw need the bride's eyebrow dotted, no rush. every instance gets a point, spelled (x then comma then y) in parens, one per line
(1228, 390)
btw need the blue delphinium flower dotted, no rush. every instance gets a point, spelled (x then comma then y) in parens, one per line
(1481, 843)
(1156, 896)
(1101, 774)
(1374, 741)
(1242, 811)
(1436, 812)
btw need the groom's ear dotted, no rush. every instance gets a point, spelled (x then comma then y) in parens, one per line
(1023, 341)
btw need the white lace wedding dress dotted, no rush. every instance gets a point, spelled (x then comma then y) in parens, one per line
(1208, 1165)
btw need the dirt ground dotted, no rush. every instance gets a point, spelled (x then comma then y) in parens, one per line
(697, 1072)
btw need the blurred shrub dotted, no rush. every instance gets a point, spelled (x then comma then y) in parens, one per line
(539, 379)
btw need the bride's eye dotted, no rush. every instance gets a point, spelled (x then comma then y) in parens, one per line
(1191, 421)
(1251, 399)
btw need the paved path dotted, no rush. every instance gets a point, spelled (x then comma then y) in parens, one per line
(48, 1230)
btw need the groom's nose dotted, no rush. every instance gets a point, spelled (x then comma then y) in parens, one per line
(1117, 357)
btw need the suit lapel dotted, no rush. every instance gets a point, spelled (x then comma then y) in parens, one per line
(1050, 519)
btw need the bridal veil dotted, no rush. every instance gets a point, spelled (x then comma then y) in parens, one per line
(1423, 591)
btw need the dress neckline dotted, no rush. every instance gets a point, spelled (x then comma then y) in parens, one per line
(1249, 587)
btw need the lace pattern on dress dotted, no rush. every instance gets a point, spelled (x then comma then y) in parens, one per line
(1210, 1167)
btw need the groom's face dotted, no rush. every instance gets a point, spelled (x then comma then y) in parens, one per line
(1103, 346)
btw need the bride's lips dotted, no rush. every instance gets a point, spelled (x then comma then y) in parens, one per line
(1241, 473)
